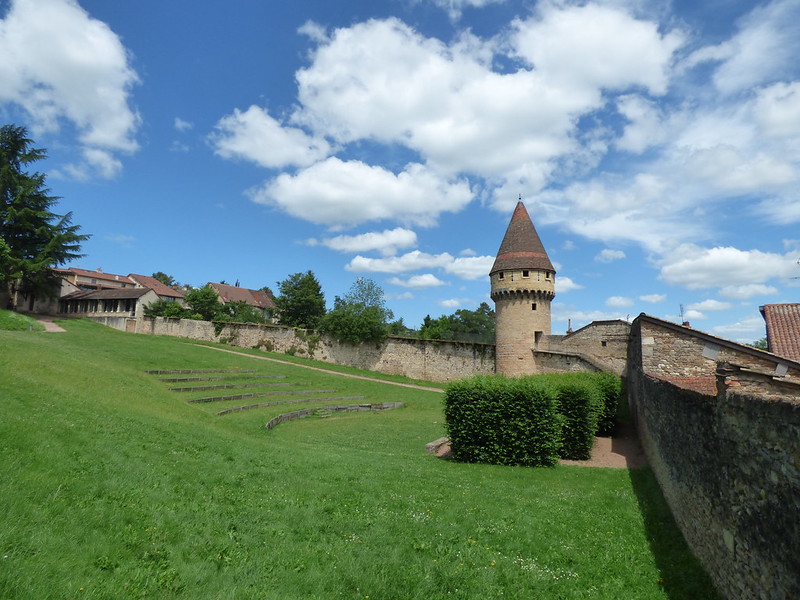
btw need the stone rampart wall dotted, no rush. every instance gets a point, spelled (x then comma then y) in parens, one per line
(729, 467)
(431, 360)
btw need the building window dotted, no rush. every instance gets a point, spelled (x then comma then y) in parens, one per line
(537, 337)
(547, 275)
(533, 306)
(604, 343)
(501, 275)
(526, 273)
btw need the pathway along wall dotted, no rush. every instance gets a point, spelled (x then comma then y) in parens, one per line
(728, 464)
(431, 360)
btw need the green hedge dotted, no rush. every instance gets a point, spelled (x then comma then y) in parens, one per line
(529, 421)
(502, 421)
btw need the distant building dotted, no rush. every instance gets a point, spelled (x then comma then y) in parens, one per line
(259, 299)
(81, 292)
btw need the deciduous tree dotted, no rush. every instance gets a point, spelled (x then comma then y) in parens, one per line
(361, 316)
(301, 302)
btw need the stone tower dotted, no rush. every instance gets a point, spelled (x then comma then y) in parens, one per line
(523, 285)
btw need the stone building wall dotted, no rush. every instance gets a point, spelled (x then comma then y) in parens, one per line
(671, 351)
(431, 360)
(728, 464)
(603, 344)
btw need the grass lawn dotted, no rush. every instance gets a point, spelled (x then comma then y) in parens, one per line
(12, 321)
(114, 486)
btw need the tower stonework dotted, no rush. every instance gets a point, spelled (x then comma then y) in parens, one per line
(523, 285)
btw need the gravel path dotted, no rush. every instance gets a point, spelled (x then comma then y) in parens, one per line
(49, 324)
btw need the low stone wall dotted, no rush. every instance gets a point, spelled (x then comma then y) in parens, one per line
(563, 362)
(431, 360)
(729, 467)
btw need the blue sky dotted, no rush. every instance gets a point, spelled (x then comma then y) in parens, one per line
(656, 145)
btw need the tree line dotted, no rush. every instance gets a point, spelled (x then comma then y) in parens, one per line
(34, 240)
(361, 315)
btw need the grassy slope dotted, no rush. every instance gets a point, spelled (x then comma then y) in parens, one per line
(12, 321)
(114, 486)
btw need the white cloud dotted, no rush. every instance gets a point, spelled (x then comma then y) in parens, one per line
(454, 8)
(465, 268)
(607, 255)
(710, 304)
(338, 193)
(565, 284)
(182, 125)
(743, 331)
(126, 241)
(693, 315)
(645, 126)
(594, 47)
(777, 109)
(454, 302)
(619, 302)
(470, 267)
(59, 65)
(765, 47)
(653, 298)
(695, 267)
(387, 242)
(256, 136)
(401, 296)
(748, 290)
(383, 81)
(564, 313)
(427, 280)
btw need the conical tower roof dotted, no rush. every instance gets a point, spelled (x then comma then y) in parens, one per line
(521, 247)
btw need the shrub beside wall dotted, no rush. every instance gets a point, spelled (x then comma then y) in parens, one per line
(529, 421)
(502, 421)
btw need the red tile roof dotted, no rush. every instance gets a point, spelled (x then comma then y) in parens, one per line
(107, 294)
(521, 247)
(98, 275)
(154, 284)
(231, 293)
(706, 385)
(783, 329)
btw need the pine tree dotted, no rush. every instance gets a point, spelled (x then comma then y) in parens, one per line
(33, 239)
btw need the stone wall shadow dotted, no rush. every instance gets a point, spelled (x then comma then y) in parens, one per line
(682, 577)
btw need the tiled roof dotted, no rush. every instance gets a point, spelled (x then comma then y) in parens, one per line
(98, 275)
(157, 286)
(706, 385)
(783, 329)
(231, 293)
(521, 247)
(107, 294)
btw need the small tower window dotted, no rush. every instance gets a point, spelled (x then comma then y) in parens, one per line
(533, 306)
(547, 275)
(526, 273)
(501, 275)
(604, 343)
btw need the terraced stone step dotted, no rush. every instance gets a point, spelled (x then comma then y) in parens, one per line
(219, 378)
(187, 371)
(306, 412)
(231, 386)
(258, 395)
(293, 401)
